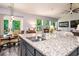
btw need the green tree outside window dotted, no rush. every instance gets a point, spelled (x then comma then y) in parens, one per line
(15, 25)
(38, 24)
(53, 23)
(6, 26)
(46, 22)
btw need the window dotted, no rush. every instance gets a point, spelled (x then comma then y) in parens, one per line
(15, 25)
(53, 23)
(38, 24)
(6, 26)
(46, 22)
(74, 23)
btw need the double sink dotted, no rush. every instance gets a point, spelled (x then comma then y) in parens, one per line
(36, 38)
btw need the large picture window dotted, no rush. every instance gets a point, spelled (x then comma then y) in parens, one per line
(74, 23)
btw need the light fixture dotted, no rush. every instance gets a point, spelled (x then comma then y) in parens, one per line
(71, 9)
(69, 13)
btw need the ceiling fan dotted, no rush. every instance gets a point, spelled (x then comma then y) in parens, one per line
(71, 10)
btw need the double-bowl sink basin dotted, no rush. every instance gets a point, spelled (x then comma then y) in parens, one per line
(36, 39)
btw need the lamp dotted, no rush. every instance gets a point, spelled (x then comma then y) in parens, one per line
(52, 28)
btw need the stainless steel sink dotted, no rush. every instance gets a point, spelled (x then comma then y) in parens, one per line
(35, 40)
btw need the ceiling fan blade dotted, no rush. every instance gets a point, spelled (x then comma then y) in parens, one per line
(70, 9)
(76, 10)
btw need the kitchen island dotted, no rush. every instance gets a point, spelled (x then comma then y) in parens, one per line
(54, 45)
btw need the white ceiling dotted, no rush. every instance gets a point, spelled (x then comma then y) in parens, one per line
(45, 9)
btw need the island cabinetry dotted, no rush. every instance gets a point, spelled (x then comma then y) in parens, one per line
(68, 47)
(28, 50)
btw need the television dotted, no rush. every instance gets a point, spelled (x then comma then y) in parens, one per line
(64, 24)
(74, 23)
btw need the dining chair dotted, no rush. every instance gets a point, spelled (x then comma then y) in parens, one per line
(3, 42)
(22, 32)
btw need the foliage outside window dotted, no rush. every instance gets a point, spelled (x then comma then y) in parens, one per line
(46, 22)
(53, 23)
(39, 28)
(15, 25)
(38, 24)
(6, 26)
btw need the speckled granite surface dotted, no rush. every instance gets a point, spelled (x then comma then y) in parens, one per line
(56, 44)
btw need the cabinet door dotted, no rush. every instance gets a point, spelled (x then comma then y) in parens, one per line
(75, 52)
(27, 50)
(78, 51)
(19, 48)
(23, 49)
(28, 53)
(30, 48)
(38, 53)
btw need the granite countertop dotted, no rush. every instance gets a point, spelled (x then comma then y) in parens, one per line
(55, 44)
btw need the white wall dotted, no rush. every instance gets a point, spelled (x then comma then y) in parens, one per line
(68, 17)
(1, 24)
